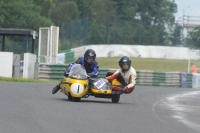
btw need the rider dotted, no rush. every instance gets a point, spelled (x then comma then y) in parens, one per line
(88, 62)
(126, 75)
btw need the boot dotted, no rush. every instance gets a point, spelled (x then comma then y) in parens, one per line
(56, 89)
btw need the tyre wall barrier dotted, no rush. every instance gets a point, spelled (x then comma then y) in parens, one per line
(67, 56)
(147, 78)
(56, 72)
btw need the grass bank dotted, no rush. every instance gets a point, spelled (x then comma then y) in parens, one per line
(162, 65)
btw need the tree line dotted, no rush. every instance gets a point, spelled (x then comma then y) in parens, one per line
(145, 22)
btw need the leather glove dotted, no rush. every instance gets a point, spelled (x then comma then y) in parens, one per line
(124, 89)
(88, 76)
(66, 74)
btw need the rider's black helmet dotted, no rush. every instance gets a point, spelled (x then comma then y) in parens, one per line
(124, 60)
(89, 53)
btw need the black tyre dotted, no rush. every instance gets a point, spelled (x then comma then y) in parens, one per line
(76, 99)
(115, 98)
(69, 96)
(56, 89)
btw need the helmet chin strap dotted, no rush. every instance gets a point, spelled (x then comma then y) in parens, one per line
(124, 71)
(89, 62)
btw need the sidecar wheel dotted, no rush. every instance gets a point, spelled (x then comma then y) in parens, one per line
(76, 99)
(56, 89)
(115, 98)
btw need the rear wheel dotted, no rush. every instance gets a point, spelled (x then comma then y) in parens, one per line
(56, 89)
(115, 98)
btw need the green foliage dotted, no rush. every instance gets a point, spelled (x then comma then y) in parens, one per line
(155, 16)
(84, 7)
(64, 11)
(126, 9)
(45, 7)
(21, 14)
(176, 36)
(194, 38)
(96, 33)
(113, 21)
(109, 21)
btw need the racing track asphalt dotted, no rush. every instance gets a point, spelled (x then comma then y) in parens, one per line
(31, 108)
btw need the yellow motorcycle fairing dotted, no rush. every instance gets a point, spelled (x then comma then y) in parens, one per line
(102, 91)
(76, 87)
(115, 82)
(96, 91)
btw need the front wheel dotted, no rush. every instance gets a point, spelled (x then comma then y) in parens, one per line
(76, 99)
(115, 98)
(69, 96)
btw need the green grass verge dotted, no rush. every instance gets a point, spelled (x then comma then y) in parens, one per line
(161, 65)
(3, 79)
